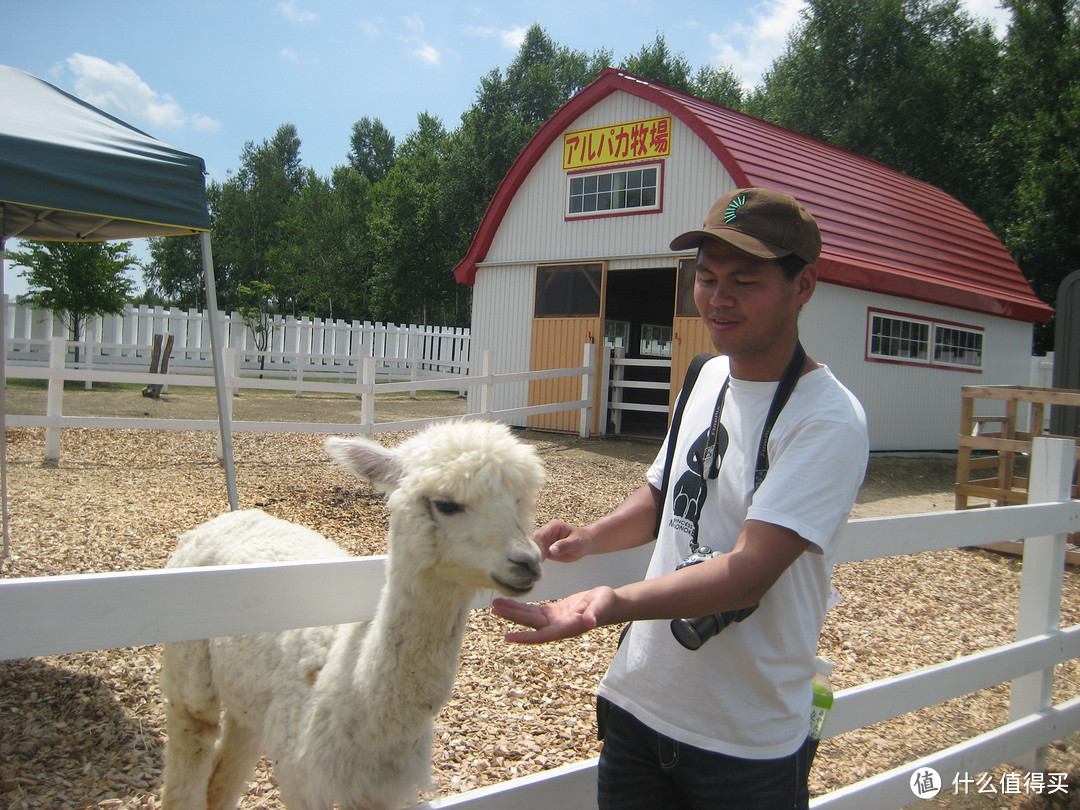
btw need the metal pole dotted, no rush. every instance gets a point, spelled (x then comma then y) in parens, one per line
(216, 350)
(3, 404)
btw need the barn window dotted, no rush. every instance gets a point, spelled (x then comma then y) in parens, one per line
(956, 346)
(568, 290)
(630, 189)
(920, 341)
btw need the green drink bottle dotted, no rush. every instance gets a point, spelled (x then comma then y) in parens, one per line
(823, 697)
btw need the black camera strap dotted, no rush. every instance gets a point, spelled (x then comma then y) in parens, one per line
(711, 455)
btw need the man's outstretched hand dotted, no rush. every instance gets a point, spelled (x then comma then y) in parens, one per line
(566, 618)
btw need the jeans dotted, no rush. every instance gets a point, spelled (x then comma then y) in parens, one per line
(643, 770)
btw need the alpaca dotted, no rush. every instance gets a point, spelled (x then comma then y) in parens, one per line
(346, 713)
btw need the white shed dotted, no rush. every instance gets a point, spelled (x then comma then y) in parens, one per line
(916, 296)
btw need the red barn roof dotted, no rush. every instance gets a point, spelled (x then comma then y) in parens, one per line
(881, 230)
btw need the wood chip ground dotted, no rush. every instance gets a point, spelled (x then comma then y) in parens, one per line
(87, 730)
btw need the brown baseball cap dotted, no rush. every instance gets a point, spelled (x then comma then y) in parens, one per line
(764, 223)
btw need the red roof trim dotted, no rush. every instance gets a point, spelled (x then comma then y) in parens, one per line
(882, 231)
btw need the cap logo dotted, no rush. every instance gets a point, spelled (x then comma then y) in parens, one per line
(733, 209)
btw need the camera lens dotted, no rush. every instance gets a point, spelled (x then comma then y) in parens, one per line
(693, 633)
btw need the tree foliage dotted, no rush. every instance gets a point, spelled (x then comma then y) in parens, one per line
(76, 280)
(174, 272)
(916, 84)
(906, 82)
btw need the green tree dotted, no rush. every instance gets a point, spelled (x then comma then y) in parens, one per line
(657, 63)
(411, 279)
(371, 151)
(174, 273)
(907, 82)
(720, 85)
(76, 280)
(248, 208)
(1033, 155)
(354, 197)
(312, 270)
(508, 111)
(257, 309)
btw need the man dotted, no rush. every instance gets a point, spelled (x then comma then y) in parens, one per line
(726, 725)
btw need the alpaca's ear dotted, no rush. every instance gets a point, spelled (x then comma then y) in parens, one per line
(368, 461)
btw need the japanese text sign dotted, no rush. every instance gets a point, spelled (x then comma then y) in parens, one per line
(617, 143)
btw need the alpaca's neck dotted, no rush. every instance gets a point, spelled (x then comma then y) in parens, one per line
(399, 671)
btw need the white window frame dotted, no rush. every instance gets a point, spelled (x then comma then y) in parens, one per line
(937, 353)
(611, 172)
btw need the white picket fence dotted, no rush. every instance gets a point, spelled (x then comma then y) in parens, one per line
(362, 383)
(311, 348)
(64, 614)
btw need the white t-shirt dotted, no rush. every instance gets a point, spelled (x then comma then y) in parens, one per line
(746, 692)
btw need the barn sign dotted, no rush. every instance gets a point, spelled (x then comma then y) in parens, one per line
(617, 143)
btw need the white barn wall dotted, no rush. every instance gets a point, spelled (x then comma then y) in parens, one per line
(908, 407)
(502, 312)
(534, 228)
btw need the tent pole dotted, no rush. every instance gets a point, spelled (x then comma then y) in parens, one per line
(217, 347)
(3, 403)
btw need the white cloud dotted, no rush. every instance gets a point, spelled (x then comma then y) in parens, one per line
(205, 124)
(289, 54)
(414, 24)
(419, 48)
(509, 38)
(749, 49)
(119, 90)
(426, 53)
(991, 11)
(291, 13)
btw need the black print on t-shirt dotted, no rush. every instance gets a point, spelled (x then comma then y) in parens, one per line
(689, 494)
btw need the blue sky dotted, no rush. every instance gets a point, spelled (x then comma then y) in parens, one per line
(206, 77)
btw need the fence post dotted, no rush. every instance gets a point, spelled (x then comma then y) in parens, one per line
(367, 391)
(587, 389)
(303, 351)
(604, 406)
(88, 351)
(1039, 612)
(487, 388)
(413, 360)
(54, 401)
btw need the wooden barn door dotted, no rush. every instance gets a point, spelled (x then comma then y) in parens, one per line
(690, 337)
(569, 313)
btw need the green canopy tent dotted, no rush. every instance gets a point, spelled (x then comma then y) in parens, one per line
(70, 172)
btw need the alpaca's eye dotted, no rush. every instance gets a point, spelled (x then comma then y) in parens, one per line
(448, 507)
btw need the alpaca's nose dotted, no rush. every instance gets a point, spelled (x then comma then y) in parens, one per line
(526, 563)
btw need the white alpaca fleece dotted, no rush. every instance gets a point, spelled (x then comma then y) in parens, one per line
(345, 713)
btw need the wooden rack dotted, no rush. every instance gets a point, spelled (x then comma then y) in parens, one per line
(993, 453)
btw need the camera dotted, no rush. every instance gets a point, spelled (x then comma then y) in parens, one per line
(693, 633)
(700, 554)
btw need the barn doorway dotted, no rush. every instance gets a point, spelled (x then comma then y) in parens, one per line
(638, 317)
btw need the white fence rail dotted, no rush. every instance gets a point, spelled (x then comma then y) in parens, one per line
(297, 347)
(615, 385)
(364, 386)
(98, 611)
